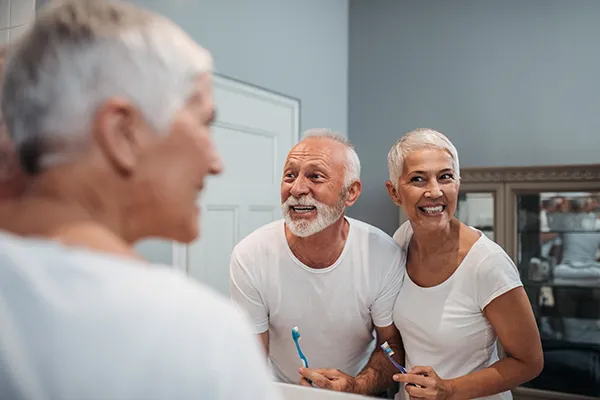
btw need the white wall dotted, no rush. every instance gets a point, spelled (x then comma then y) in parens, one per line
(14, 14)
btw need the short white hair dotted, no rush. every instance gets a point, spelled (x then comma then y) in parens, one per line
(79, 53)
(352, 163)
(419, 139)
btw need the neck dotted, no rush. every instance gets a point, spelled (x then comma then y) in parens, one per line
(79, 211)
(441, 242)
(322, 249)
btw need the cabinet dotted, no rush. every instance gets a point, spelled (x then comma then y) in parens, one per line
(548, 220)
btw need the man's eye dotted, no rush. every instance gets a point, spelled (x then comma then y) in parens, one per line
(447, 176)
(316, 176)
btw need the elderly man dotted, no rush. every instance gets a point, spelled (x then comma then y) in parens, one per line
(333, 277)
(109, 108)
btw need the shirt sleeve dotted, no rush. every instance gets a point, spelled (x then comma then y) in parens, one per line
(496, 275)
(382, 309)
(246, 296)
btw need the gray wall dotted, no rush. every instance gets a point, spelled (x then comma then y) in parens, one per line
(298, 48)
(510, 82)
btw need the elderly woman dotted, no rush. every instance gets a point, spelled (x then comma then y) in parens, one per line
(110, 108)
(461, 292)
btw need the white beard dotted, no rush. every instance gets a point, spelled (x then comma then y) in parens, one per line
(326, 215)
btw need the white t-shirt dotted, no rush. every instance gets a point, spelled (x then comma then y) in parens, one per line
(334, 308)
(75, 324)
(443, 326)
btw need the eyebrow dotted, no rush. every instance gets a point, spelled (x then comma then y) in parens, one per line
(424, 172)
(318, 165)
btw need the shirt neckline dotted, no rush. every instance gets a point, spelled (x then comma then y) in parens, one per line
(319, 270)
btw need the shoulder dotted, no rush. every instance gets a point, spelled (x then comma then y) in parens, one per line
(379, 244)
(491, 262)
(187, 331)
(375, 236)
(261, 239)
(403, 234)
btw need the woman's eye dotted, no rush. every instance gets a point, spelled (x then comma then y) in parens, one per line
(416, 179)
(316, 176)
(447, 176)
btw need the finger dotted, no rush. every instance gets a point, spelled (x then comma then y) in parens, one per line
(316, 378)
(304, 382)
(413, 378)
(398, 377)
(330, 373)
(422, 370)
(305, 371)
(415, 392)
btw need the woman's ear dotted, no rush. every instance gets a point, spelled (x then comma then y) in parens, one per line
(118, 129)
(393, 193)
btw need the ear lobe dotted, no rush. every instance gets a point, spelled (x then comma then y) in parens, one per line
(393, 193)
(116, 129)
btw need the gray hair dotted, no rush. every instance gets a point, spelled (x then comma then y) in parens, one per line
(419, 139)
(352, 163)
(79, 53)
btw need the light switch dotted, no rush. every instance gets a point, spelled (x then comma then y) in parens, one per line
(21, 12)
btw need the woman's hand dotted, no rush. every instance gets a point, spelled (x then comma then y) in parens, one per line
(424, 383)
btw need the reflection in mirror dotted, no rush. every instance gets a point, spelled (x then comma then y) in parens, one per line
(559, 260)
(477, 211)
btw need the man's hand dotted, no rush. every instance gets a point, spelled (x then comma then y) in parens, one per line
(331, 379)
(424, 383)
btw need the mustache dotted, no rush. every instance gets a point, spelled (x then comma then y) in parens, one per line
(301, 201)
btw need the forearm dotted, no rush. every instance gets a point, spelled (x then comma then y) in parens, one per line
(376, 377)
(501, 376)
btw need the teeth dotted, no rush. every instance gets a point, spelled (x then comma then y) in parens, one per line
(433, 209)
(305, 209)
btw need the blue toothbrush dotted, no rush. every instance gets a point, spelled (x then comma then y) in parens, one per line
(296, 337)
(389, 353)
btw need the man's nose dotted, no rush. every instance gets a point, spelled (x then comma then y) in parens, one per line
(299, 187)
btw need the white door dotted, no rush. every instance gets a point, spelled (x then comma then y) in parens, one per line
(254, 131)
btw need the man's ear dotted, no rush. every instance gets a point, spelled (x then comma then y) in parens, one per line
(393, 193)
(119, 129)
(353, 193)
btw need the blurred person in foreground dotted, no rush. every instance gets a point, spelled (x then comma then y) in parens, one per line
(109, 109)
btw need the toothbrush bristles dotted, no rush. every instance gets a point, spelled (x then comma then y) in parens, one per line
(386, 347)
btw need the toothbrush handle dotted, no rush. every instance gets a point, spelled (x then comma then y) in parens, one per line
(398, 366)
